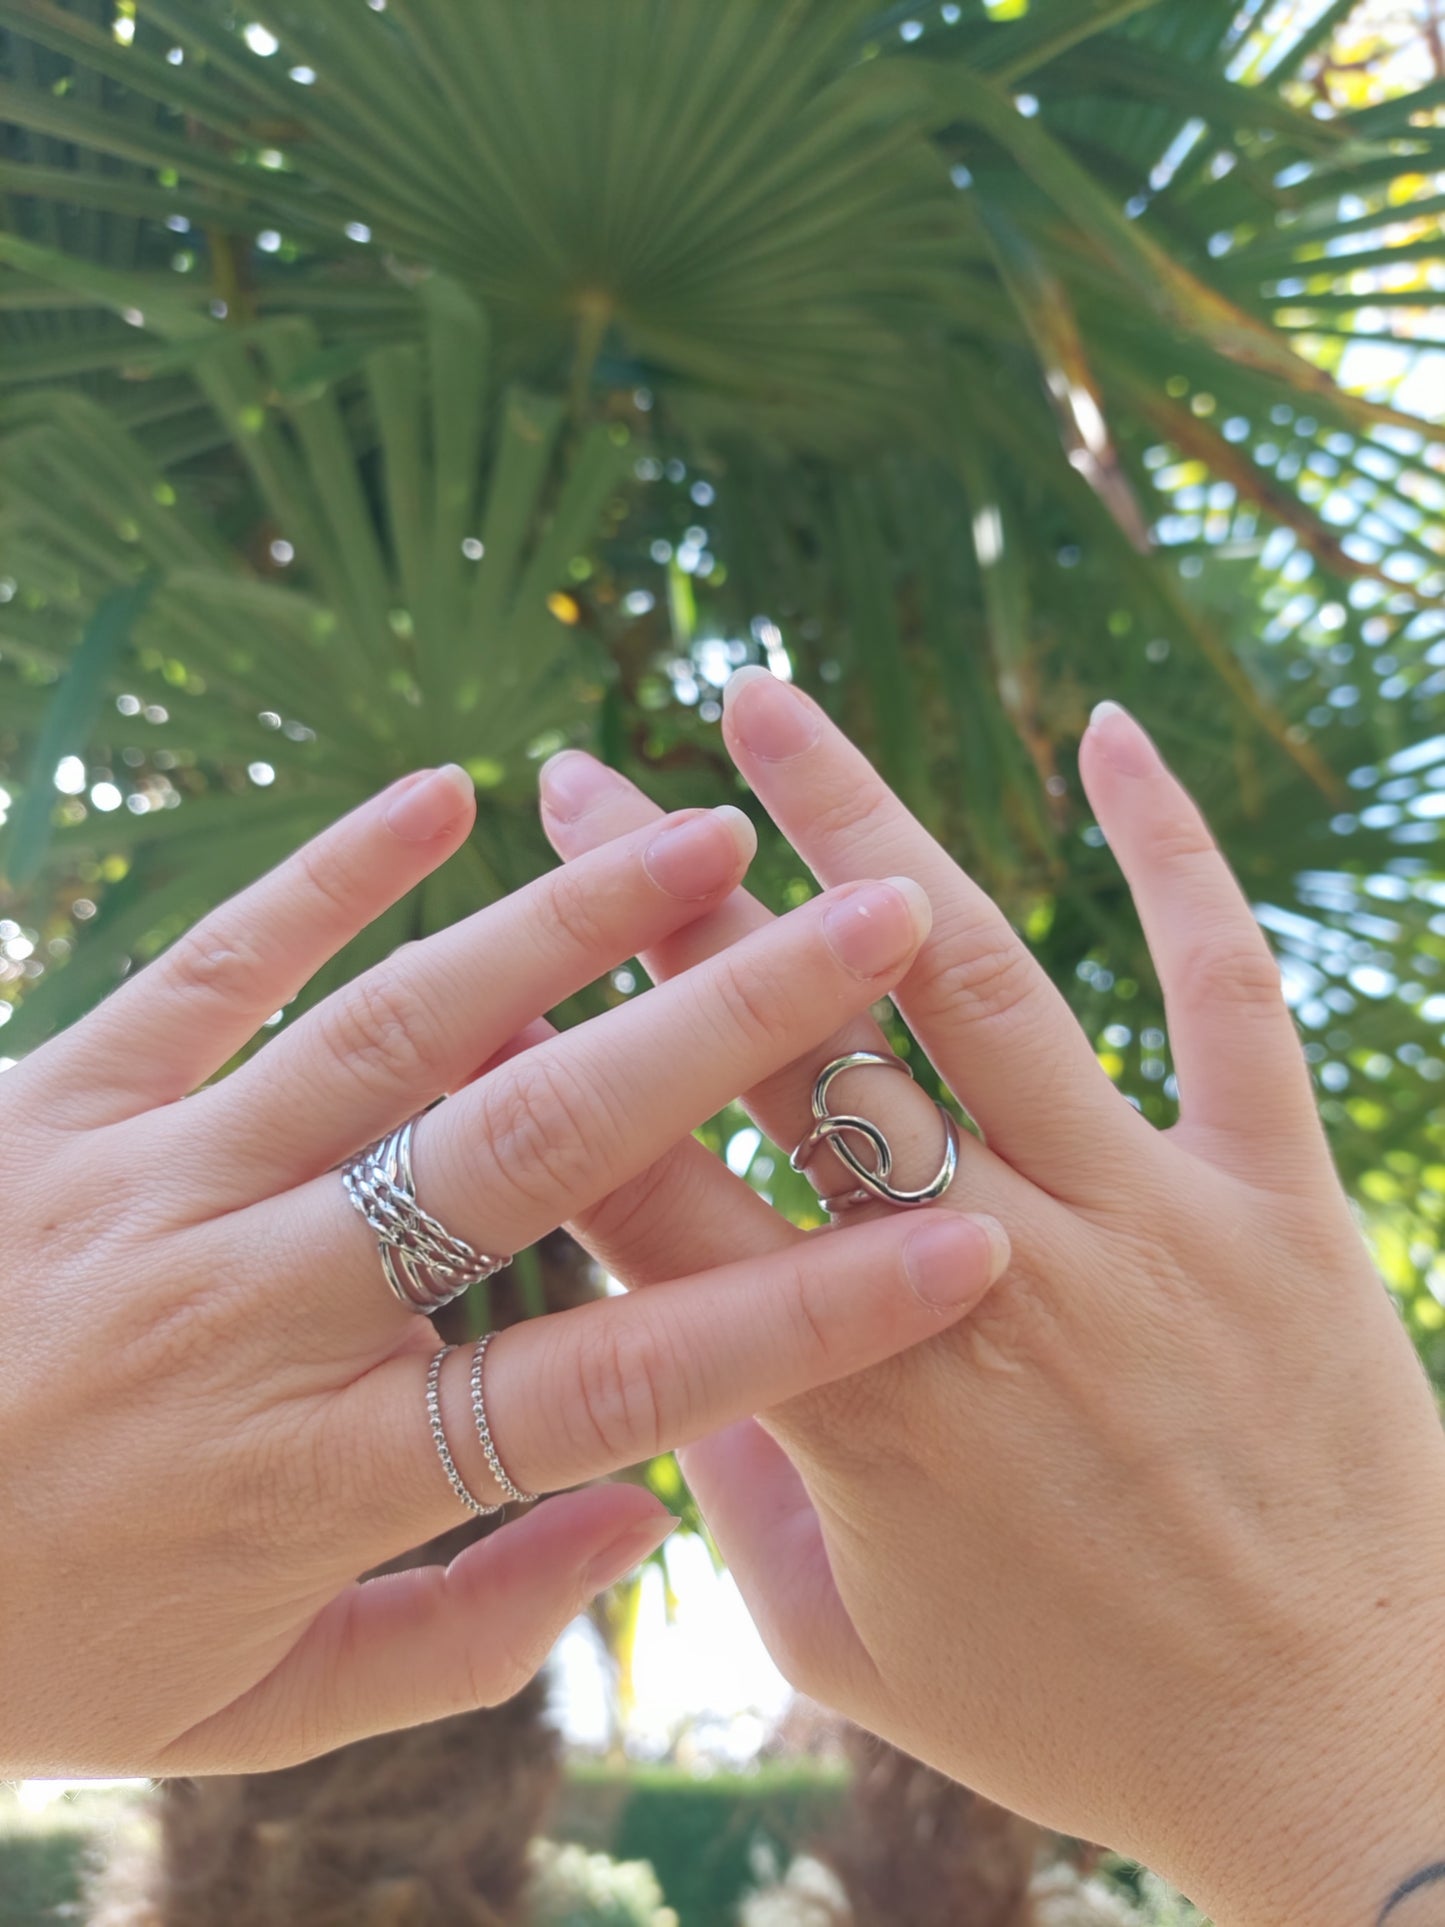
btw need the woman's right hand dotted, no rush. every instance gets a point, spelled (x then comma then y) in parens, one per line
(213, 1412)
(1152, 1548)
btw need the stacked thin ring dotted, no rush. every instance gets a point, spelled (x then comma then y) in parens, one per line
(424, 1264)
(511, 1492)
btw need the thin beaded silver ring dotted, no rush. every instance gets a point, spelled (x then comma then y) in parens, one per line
(484, 1431)
(439, 1439)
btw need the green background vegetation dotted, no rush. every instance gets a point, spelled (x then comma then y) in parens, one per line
(456, 379)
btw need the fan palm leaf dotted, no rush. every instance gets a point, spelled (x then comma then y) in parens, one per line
(998, 400)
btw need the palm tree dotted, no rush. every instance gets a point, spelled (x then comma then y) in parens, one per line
(455, 378)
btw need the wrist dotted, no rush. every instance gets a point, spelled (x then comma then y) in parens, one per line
(1348, 1828)
(1418, 1898)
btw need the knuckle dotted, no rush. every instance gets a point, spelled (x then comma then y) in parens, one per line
(180, 1323)
(330, 883)
(216, 962)
(984, 975)
(541, 1130)
(377, 1029)
(1019, 1329)
(619, 1404)
(1239, 973)
(500, 1676)
(840, 815)
(574, 912)
(753, 1002)
(816, 1333)
(1181, 840)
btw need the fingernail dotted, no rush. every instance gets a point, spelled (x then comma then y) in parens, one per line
(770, 718)
(1124, 744)
(701, 855)
(942, 1259)
(878, 925)
(627, 1550)
(440, 800)
(572, 781)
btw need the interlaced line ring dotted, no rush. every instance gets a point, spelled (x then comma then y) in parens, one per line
(836, 1129)
(424, 1264)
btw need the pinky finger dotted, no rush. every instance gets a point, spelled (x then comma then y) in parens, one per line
(758, 1510)
(420, 1645)
(1242, 1077)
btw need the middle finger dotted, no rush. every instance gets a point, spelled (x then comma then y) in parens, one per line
(543, 1137)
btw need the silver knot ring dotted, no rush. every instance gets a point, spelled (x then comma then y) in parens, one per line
(838, 1131)
(423, 1263)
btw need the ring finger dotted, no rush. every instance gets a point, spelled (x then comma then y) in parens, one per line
(583, 1393)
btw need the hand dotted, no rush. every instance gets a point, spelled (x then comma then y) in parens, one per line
(1151, 1549)
(212, 1411)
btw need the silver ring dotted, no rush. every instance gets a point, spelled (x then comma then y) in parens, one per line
(510, 1491)
(835, 1130)
(425, 1266)
(439, 1438)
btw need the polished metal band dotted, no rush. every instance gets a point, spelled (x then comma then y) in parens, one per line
(425, 1266)
(835, 1130)
(439, 1439)
(511, 1492)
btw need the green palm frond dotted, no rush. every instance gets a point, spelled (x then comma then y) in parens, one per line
(980, 365)
(424, 524)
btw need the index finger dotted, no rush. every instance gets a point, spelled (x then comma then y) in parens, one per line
(584, 805)
(988, 1015)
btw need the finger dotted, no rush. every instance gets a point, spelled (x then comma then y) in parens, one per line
(581, 1393)
(384, 1046)
(508, 1158)
(1242, 1075)
(673, 1217)
(758, 1510)
(1000, 1033)
(687, 1212)
(420, 1645)
(584, 805)
(181, 1018)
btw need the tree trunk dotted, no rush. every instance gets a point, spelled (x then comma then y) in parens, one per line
(918, 1851)
(422, 1829)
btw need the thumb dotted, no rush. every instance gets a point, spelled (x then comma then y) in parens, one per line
(419, 1645)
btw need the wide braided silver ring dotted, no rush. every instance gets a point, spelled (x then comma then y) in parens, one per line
(836, 1130)
(423, 1263)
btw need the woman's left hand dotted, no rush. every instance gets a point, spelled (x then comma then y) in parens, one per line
(213, 1413)
(1151, 1547)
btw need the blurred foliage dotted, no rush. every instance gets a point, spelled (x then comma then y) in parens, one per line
(705, 1838)
(41, 1874)
(380, 386)
(574, 1888)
